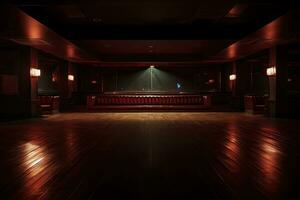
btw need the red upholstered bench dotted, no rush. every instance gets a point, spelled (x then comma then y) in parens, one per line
(149, 101)
(254, 104)
(49, 104)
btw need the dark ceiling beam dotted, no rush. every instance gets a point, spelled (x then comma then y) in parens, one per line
(18, 27)
(282, 31)
(156, 64)
(154, 32)
(153, 58)
(153, 50)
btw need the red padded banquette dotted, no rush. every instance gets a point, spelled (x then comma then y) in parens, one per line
(254, 104)
(49, 104)
(149, 101)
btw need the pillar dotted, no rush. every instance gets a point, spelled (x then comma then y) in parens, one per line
(233, 82)
(34, 99)
(63, 85)
(278, 99)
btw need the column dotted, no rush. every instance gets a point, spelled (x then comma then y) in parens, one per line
(34, 99)
(63, 85)
(278, 98)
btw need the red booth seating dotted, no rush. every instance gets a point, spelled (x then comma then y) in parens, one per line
(49, 104)
(149, 102)
(255, 104)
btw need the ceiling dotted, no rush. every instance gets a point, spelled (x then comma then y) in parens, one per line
(154, 19)
(153, 50)
(116, 32)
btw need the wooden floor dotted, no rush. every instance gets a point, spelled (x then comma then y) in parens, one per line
(150, 156)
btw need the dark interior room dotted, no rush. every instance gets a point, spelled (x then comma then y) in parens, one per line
(149, 99)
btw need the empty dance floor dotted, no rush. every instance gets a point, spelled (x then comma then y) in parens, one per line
(150, 156)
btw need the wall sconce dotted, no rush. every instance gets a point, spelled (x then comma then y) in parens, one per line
(271, 71)
(211, 81)
(54, 79)
(232, 77)
(34, 72)
(71, 77)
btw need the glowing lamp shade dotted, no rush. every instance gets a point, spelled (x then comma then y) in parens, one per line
(271, 71)
(232, 77)
(34, 72)
(71, 77)
(211, 81)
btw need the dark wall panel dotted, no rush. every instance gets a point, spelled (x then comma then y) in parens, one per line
(48, 81)
(14, 61)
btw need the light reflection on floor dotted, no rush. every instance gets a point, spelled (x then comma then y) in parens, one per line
(269, 160)
(34, 165)
(232, 149)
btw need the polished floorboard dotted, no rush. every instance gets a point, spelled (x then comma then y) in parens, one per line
(150, 156)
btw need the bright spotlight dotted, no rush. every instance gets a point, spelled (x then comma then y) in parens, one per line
(152, 66)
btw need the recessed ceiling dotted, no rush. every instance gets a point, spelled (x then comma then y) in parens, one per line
(155, 30)
(153, 50)
(155, 19)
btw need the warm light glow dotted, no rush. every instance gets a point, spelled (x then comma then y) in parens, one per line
(70, 51)
(34, 72)
(230, 155)
(94, 82)
(34, 163)
(269, 160)
(33, 29)
(54, 79)
(71, 77)
(232, 51)
(271, 71)
(152, 66)
(211, 81)
(232, 77)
